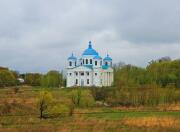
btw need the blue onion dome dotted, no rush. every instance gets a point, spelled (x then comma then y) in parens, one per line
(90, 50)
(97, 57)
(72, 57)
(107, 58)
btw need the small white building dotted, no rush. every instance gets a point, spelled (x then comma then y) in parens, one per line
(90, 69)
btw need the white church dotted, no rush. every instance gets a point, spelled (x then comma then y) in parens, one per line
(90, 69)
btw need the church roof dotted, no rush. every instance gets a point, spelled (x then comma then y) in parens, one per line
(72, 57)
(105, 67)
(97, 57)
(108, 58)
(90, 50)
(89, 66)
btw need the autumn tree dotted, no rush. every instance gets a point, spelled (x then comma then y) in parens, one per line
(45, 99)
(33, 79)
(7, 78)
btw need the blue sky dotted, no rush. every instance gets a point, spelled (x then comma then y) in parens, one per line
(39, 35)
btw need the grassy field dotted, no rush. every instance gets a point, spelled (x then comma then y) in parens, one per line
(22, 115)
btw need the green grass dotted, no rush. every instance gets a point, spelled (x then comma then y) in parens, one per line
(131, 114)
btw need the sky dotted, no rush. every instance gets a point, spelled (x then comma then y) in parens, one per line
(39, 35)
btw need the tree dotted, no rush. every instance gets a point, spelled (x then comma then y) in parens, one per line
(99, 94)
(166, 58)
(131, 76)
(44, 101)
(82, 98)
(7, 78)
(177, 80)
(33, 79)
(165, 72)
(76, 97)
(52, 79)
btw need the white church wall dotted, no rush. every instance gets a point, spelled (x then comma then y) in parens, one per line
(70, 78)
(97, 77)
(107, 77)
(98, 63)
(89, 58)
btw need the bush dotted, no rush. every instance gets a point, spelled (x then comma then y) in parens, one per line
(87, 99)
(44, 102)
(169, 95)
(150, 95)
(99, 94)
(58, 110)
(82, 98)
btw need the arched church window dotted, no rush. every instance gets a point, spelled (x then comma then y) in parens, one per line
(87, 81)
(76, 73)
(70, 63)
(83, 61)
(95, 63)
(82, 74)
(90, 61)
(76, 81)
(106, 63)
(86, 61)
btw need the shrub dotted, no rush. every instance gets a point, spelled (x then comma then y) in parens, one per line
(58, 110)
(82, 98)
(169, 95)
(99, 94)
(44, 102)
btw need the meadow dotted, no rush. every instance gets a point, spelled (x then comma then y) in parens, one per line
(19, 112)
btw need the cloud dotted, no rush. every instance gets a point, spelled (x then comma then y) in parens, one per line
(39, 35)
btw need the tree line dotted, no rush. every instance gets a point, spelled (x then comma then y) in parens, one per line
(11, 78)
(7, 77)
(163, 72)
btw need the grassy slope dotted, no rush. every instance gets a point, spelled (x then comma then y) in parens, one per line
(107, 118)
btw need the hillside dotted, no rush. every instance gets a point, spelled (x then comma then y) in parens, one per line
(19, 112)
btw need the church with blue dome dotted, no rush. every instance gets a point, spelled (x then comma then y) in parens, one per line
(90, 69)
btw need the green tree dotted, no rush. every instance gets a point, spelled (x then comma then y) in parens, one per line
(165, 72)
(82, 98)
(7, 78)
(130, 76)
(76, 97)
(33, 79)
(52, 79)
(45, 99)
